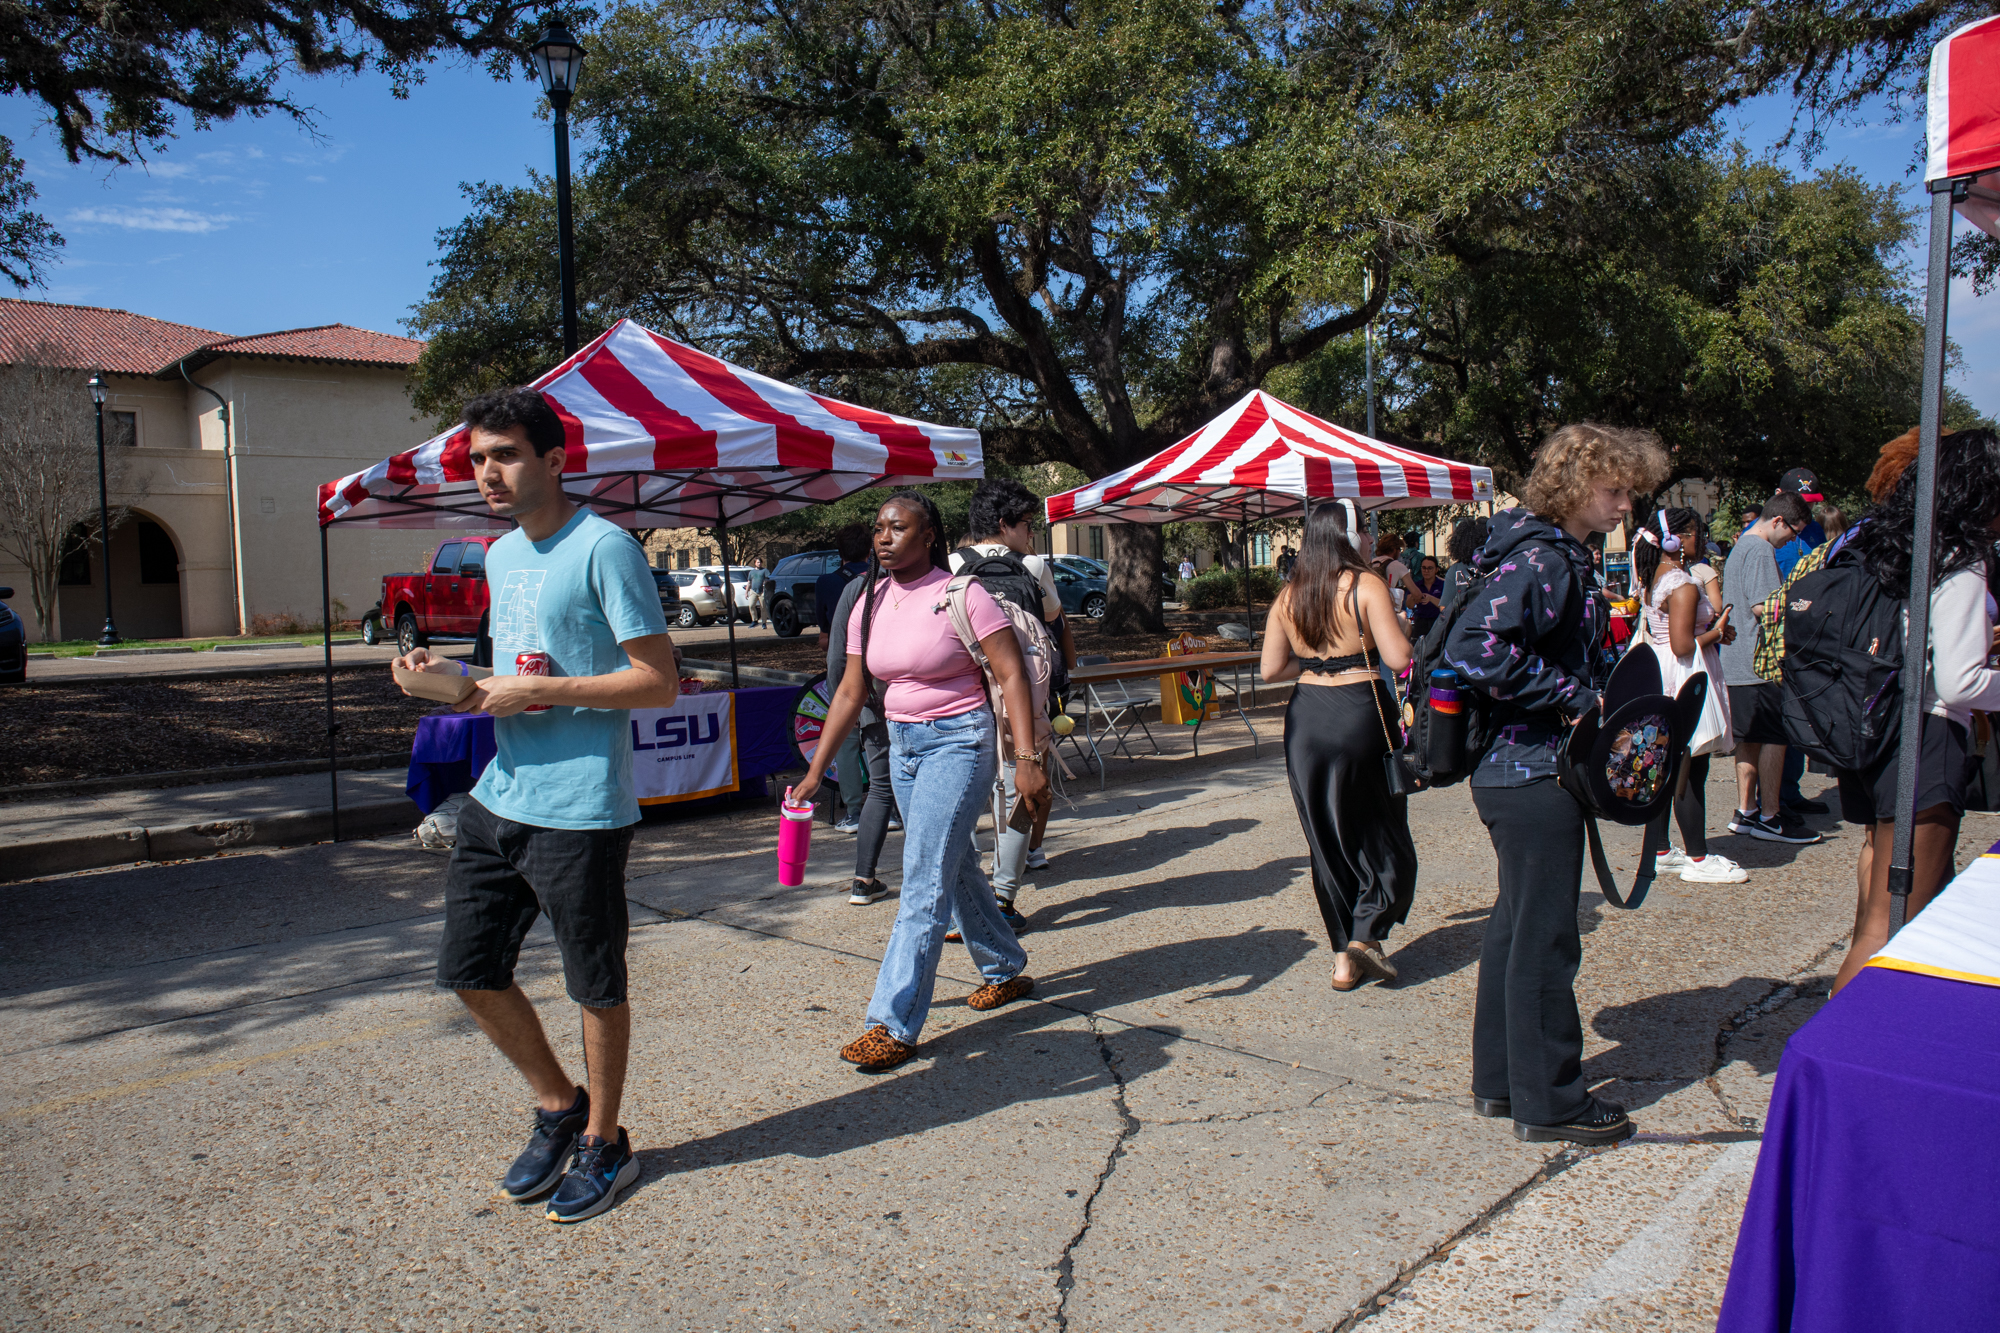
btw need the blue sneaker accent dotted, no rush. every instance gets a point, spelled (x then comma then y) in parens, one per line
(540, 1165)
(599, 1171)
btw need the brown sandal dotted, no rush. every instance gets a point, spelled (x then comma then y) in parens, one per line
(1369, 958)
(994, 994)
(876, 1051)
(1344, 986)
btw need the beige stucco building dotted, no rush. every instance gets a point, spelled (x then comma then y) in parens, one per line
(223, 538)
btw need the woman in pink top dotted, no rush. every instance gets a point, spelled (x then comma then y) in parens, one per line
(942, 759)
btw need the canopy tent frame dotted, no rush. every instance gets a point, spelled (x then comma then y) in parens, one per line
(758, 447)
(1963, 176)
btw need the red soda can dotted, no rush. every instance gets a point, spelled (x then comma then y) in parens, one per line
(532, 664)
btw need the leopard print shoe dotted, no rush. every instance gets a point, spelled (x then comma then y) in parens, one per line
(875, 1051)
(994, 994)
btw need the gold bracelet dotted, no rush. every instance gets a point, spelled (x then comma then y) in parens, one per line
(1034, 759)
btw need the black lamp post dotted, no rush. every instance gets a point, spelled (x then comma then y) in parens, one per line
(109, 638)
(559, 60)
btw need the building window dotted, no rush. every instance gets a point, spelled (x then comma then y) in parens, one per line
(1096, 541)
(74, 571)
(681, 560)
(121, 428)
(159, 562)
(1260, 549)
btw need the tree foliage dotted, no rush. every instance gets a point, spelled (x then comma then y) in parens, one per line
(1111, 217)
(114, 78)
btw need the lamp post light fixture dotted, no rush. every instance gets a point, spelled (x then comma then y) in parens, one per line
(109, 638)
(559, 61)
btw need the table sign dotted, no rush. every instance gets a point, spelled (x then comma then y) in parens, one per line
(686, 751)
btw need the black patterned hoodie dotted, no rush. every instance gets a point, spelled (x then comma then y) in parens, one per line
(1529, 641)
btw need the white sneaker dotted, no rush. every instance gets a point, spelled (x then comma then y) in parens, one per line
(1712, 869)
(1673, 858)
(1037, 860)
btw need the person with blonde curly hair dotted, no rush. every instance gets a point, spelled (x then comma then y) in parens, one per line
(1529, 642)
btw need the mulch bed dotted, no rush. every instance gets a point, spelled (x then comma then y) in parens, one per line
(72, 731)
(65, 732)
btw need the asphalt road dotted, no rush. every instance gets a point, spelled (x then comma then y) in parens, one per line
(235, 1101)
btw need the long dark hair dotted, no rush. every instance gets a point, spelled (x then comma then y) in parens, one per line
(1684, 524)
(1312, 596)
(1968, 500)
(940, 559)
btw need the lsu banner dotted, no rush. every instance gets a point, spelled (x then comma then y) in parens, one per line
(687, 751)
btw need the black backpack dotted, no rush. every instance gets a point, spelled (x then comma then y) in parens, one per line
(1428, 654)
(1005, 576)
(1842, 677)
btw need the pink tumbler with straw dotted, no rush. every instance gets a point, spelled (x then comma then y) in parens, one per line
(795, 831)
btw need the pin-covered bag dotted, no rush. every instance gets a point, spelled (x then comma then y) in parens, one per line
(1623, 763)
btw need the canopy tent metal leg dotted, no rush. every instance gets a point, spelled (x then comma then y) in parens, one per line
(1917, 634)
(728, 597)
(326, 636)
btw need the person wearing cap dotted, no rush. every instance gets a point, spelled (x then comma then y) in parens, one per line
(1801, 482)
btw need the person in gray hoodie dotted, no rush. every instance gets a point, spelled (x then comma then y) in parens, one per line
(1529, 640)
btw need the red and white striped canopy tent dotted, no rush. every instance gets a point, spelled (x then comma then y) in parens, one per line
(1264, 458)
(660, 435)
(1964, 119)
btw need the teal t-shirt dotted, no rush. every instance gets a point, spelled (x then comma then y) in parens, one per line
(576, 597)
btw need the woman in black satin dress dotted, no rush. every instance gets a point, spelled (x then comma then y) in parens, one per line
(1337, 728)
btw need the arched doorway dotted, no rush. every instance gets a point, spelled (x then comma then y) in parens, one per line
(145, 583)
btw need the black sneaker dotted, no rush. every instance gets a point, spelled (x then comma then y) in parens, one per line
(1803, 808)
(540, 1165)
(600, 1170)
(1601, 1122)
(1783, 829)
(1742, 821)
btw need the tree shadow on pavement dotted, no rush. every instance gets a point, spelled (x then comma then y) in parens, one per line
(1208, 889)
(1130, 856)
(1024, 1054)
(1437, 953)
(1673, 1035)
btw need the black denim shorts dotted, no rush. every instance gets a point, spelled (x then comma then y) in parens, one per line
(504, 874)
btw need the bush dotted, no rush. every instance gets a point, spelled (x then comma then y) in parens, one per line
(1220, 589)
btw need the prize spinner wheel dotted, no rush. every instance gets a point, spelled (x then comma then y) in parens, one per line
(809, 719)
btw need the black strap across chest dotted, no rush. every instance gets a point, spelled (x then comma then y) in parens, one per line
(1333, 666)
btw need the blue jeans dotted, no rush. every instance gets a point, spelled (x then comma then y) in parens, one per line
(942, 774)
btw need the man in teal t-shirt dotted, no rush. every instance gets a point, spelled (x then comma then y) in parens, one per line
(550, 821)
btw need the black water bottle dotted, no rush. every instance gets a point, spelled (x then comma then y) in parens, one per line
(1445, 734)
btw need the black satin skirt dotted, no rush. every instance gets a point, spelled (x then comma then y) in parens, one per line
(1363, 862)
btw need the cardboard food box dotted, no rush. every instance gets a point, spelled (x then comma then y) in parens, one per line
(436, 686)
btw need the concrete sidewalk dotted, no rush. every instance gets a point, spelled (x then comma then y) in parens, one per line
(87, 832)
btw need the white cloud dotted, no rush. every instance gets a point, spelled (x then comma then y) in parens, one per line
(152, 219)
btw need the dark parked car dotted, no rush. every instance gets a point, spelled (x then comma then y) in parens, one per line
(1082, 595)
(670, 595)
(13, 643)
(793, 583)
(1090, 568)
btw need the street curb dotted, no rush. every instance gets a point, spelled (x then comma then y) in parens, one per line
(174, 842)
(196, 777)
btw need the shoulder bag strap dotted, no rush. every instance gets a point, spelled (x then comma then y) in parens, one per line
(1649, 857)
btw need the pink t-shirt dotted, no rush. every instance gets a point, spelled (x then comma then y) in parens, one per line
(914, 651)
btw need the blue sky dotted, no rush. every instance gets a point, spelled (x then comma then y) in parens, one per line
(256, 225)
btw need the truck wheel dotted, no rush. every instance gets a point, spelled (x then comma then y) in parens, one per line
(687, 619)
(408, 637)
(1093, 606)
(482, 647)
(371, 631)
(785, 619)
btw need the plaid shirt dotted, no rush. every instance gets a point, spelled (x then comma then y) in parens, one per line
(1769, 615)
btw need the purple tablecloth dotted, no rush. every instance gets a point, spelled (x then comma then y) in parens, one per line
(1876, 1203)
(451, 750)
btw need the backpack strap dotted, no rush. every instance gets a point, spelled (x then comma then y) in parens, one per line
(1649, 858)
(961, 624)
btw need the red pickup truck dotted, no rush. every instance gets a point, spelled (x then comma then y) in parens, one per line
(449, 600)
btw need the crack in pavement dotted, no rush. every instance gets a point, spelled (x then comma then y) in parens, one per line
(1129, 1128)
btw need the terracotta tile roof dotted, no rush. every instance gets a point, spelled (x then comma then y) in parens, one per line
(326, 342)
(94, 338)
(122, 343)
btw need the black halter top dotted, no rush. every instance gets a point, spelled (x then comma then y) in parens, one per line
(1333, 666)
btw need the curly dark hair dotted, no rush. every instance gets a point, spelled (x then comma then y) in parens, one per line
(524, 407)
(1000, 502)
(940, 559)
(1968, 500)
(1467, 536)
(1682, 523)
